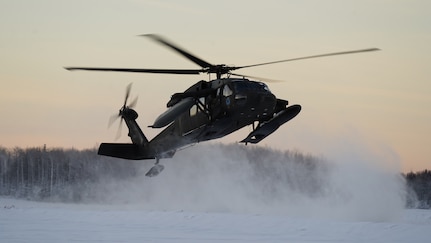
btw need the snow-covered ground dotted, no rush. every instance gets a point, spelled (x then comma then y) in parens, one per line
(215, 193)
(27, 221)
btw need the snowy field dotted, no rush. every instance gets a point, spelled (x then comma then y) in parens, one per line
(230, 194)
(26, 221)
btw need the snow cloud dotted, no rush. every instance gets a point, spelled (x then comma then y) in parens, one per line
(354, 184)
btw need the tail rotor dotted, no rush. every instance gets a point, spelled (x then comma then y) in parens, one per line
(125, 111)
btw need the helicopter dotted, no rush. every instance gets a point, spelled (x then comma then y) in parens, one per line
(205, 111)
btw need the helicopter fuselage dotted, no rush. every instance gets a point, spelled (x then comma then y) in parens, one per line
(230, 105)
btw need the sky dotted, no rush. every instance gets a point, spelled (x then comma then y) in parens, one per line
(375, 102)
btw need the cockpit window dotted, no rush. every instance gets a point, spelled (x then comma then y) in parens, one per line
(241, 86)
(265, 87)
(227, 91)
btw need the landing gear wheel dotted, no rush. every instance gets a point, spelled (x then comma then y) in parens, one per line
(155, 170)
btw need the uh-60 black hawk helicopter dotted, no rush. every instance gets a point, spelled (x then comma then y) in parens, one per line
(205, 111)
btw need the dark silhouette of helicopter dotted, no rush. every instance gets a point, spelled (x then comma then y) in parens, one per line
(205, 111)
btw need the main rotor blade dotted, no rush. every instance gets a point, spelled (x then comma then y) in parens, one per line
(309, 57)
(138, 70)
(184, 53)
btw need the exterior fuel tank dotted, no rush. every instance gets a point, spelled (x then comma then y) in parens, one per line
(173, 112)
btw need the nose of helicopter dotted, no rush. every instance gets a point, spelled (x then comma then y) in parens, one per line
(253, 100)
(256, 106)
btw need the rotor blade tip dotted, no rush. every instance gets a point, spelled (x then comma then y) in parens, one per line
(152, 36)
(143, 35)
(374, 49)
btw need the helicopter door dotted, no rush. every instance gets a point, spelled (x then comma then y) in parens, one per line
(196, 116)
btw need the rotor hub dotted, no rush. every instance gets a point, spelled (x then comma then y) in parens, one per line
(128, 113)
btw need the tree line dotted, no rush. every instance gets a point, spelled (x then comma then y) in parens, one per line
(71, 175)
(420, 183)
(56, 174)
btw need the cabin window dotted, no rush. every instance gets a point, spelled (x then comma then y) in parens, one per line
(200, 106)
(194, 110)
(202, 100)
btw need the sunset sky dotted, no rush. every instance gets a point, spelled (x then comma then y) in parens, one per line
(371, 103)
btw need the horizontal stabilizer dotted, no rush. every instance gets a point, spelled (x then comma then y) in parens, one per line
(124, 151)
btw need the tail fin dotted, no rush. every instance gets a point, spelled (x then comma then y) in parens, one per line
(135, 132)
(138, 149)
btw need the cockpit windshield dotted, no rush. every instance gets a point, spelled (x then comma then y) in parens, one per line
(244, 86)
